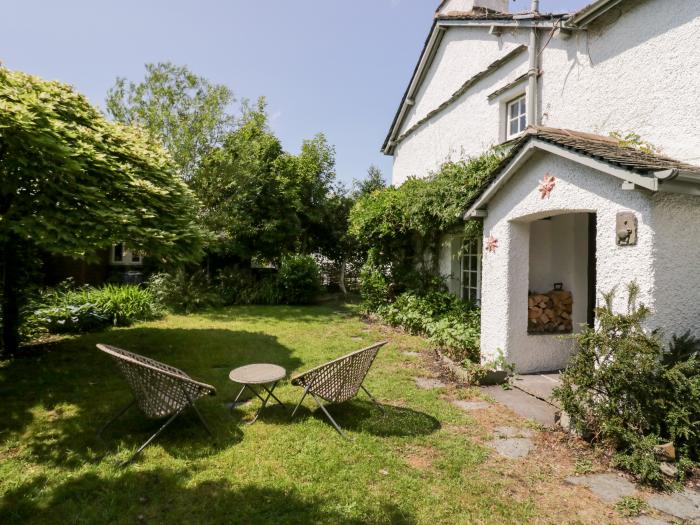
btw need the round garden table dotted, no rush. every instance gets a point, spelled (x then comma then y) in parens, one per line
(263, 375)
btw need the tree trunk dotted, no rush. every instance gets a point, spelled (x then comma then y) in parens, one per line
(341, 278)
(10, 302)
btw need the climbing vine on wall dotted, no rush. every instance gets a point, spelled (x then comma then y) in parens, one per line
(401, 226)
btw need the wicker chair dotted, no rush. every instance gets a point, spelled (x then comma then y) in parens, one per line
(338, 380)
(159, 390)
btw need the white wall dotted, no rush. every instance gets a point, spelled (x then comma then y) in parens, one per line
(506, 271)
(641, 73)
(676, 220)
(467, 127)
(638, 74)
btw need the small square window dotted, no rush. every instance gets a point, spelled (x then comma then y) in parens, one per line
(516, 117)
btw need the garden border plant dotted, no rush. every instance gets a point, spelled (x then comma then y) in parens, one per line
(626, 390)
(400, 229)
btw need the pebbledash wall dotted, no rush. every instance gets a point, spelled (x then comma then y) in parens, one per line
(635, 69)
(666, 271)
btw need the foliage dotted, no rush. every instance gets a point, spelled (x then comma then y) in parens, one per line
(187, 113)
(66, 309)
(629, 139)
(630, 506)
(72, 183)
(374, 181)
(298, 279)
(261, 202)
(246, 204)
(183, 291)
(449, 323)
(401, 224)
(374, 286)
(624, 389)
(242, 286)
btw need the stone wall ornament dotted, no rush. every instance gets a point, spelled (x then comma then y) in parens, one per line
(626, 229)
(547, 185)
(491, 244)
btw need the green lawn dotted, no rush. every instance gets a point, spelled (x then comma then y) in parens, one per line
(411, 466)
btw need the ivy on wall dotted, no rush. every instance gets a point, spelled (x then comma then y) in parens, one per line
(402, 225)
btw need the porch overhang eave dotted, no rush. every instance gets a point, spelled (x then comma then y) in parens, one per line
(648, 181)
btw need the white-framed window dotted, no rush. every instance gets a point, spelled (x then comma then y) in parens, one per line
(470, 273)
(121, 255)
(516, 117)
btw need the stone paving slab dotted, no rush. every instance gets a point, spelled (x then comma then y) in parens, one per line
(523, 404)
(429, 383)
(512, 432)
(609, 487)
(538, 385)
(512, 448)
(684, 505)
(470, 405)
(410, 354)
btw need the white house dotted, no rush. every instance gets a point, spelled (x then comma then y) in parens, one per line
(569, 205)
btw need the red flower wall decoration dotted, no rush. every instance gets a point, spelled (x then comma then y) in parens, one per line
(491, 244)
(547, 185)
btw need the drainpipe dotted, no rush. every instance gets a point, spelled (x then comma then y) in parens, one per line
(532, 89)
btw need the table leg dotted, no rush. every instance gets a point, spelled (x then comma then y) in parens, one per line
(269, 391)
(233, 405)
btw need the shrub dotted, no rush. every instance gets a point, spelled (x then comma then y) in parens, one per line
(184, 292)
(623, 389)
(374, 287)
(449, 323)
(66, 309)
(298, 279)
(236, 285)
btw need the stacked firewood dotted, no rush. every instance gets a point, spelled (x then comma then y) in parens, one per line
(550, 312)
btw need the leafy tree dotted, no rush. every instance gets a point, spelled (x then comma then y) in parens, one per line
(247, 190)
(185, 111)
(317, 195)
(72, 183)
(374, 181)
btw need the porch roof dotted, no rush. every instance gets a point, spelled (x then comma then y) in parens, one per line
(608, 155)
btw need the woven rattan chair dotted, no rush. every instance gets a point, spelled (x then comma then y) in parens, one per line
(159, 390)
(338, 380)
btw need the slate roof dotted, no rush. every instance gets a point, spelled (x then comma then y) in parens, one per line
(488, 14)
(606, 149)
(603, 148)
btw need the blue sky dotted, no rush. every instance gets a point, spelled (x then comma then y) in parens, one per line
(335, 66)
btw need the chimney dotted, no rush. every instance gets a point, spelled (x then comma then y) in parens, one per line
(466, 6)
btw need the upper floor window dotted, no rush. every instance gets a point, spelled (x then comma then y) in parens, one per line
(516, 122)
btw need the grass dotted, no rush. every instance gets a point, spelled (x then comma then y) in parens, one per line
(425, 462)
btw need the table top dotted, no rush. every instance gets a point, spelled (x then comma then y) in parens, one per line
(257, 374)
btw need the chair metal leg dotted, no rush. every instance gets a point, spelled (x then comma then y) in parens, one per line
(201, 418)
(148, 441)
(114, 418)
(372, 398)
(306, 391)
(329, 416)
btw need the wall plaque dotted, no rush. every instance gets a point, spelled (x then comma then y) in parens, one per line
(626, 228)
